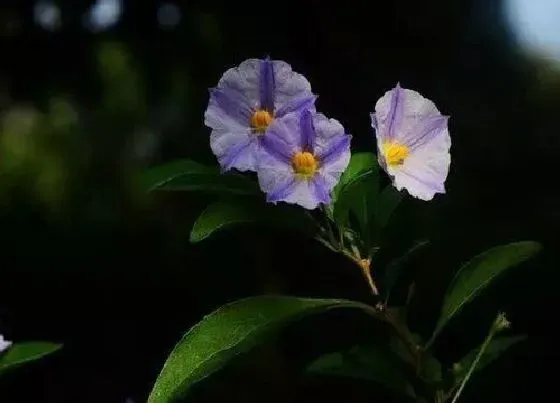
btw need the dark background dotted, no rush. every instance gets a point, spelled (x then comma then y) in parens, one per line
(91, 261)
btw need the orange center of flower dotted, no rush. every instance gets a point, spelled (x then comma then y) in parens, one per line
(305, 164)
(394, 153)
(260, 121)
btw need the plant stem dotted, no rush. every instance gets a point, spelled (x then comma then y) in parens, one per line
(328, 227)
(498, 325)
(366, 270)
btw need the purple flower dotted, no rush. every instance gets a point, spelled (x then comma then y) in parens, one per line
(303, 155)
(247, 99)
(413, 142)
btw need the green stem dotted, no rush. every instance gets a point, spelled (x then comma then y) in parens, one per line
(329, 229)
(495, 328)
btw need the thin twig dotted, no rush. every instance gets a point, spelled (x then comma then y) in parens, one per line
(499, 324)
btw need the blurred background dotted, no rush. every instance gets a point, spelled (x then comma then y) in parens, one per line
(92, 92)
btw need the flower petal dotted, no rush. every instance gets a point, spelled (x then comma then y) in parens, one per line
(245, 80)
(227, 140)
(374, 122)
(307, 131)
(325, 131)
(424, 172)
(282, 191)
(289, 86)
(427, 129)
(307, 194)
(395, 111)
(278, 180)
(322, 189)
(4, 344)
(267, 85)
(274, 175)
(231, 103)
(284, 136)
(235, 150)
(298, 103)
(335, 161)
(399, 111)
(337, 148)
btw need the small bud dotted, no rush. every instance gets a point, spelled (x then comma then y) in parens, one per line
(457, 368)
(501, 322)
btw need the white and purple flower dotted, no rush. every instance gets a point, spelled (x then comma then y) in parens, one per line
(413, 142)
(303, 155)
(247, 99)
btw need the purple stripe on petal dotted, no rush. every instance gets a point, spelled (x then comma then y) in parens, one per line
(276, 147)
(307, 131)
(428, 128)
(233, 103)
(297, 103)
(267, 85)
(335, 149)
(394, 116)
(282, 191)
(233, 153)
(321, 189)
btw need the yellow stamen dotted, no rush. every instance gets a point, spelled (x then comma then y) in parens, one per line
(395, 153)
(260, 121)
(305, 164)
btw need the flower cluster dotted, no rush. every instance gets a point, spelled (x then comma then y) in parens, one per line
(263, 119)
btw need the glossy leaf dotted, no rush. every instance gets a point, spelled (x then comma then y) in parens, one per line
(369, 363)
(494, 350)
(357, 200)
(477, 274)
(395, 266)
(187, 175)
(229, 332)
(221, 215)
(21, 353)
(356, 191)
(358, 165)
(386, 204)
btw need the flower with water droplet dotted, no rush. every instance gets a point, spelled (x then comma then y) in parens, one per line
(303, 156)
(4, 344)
(247, 99)
(413, 142)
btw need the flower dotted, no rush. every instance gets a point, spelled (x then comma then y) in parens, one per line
(4, 344)
(247, 99)
(303, 155)
(413, 142)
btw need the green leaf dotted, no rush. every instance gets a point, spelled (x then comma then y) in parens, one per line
(369, 363)
(229, 332)
(477, 274)
(386, 204)
(359, 163)
(395, 266)
(187, 175)
(431, 368)
(21, 353)
(221, 215)
(356, 191)
(494, 350)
